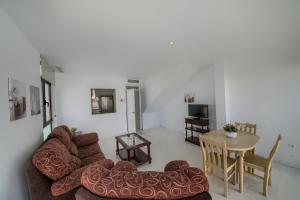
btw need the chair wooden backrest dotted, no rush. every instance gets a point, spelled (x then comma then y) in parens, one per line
(274, 150)
(246, 127)
(214, 154)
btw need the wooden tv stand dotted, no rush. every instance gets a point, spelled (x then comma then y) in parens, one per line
(195, 126)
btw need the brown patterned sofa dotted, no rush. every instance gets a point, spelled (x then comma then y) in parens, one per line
(123, 181)
(55, 169)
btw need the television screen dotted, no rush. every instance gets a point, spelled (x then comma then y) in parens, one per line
(198, 110)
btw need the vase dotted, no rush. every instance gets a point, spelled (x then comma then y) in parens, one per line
(231, 134)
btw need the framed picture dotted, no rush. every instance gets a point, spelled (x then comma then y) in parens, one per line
(16, 99)
(35, 100)
(189, 97)
(103, 101)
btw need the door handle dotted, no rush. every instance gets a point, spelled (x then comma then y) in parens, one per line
(46, 103)
(133, 112)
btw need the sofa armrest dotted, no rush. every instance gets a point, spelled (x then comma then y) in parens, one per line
(38, 184)
(124, 165)
(85, 139)
(176, 165)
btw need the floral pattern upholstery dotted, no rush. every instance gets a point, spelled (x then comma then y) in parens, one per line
(176, 165)
(61, 134)
(144, 185)
(67, 183)
(72, 181)
(86, 151)
(67, 130)
(85, 139)
(124, 166)
(54, 160)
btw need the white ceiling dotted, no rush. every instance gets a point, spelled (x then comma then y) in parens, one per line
(132, 38)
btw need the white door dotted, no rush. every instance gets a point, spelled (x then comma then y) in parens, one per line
(131, 123)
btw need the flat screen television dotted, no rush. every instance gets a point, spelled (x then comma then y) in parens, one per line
(198, 110)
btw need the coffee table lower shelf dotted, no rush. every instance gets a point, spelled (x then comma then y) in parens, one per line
(137, 156)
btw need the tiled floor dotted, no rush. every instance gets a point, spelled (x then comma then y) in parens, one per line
(169, 145)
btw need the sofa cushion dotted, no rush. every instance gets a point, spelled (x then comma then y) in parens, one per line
(67, 183)
(54, 160)
(94, 158)
(72, 180)
(61, 134)
(124, 166)
(176, 165)
(75, 162)
(67, 130)
(144, 185)
(85, 139)
(86, 151)
(84, 194)
(73, 149)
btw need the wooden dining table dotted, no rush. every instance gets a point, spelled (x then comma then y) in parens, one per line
(241, 144)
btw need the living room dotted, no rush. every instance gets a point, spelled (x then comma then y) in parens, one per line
(133, 76)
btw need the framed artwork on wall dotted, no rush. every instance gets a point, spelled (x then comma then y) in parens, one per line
(16, 99)
(189, 97)
(35, 100)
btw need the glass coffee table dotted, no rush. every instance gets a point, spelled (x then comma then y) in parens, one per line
(131, 150)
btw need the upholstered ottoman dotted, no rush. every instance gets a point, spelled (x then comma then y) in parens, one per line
(178, 181)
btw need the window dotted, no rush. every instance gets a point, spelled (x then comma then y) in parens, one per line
(47, 104)
(103, 101)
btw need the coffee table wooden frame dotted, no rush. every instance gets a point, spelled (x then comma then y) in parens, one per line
(133, 153)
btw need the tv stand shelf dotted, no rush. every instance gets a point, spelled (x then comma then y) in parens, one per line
(195, 126)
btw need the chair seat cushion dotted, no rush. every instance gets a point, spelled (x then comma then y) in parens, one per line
(144, 185)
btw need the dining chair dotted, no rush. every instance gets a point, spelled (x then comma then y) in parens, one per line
(215, 158)
(263, 164)
(247, 128)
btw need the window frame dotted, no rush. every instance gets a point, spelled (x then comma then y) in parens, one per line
(49, 122)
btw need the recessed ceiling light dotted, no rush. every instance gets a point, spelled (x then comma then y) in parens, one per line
(172, 43)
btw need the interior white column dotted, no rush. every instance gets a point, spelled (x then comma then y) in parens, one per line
(220, 95)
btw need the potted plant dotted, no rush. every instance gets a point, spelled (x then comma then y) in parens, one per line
(230, 130)
(73, 131)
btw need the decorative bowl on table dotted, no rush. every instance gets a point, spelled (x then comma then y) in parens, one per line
(231, 130)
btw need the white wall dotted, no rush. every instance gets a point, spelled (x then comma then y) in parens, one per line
(159, 89)
(267, 94)
(73, 103)
(18, 60)
(151, 120)
(202, 84)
